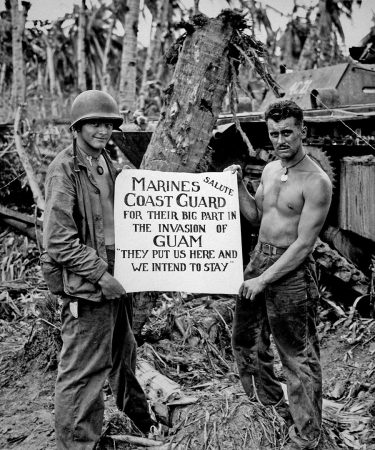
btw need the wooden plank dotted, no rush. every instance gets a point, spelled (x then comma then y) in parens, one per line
(357, 188)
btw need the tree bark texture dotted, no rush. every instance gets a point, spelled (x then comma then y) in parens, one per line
(192, 104)
(2, 76)
(159, 37)
(81, 55)
(127, 96)
(51, 74)
(106, 77)
(154, 49)
(193, 100)
(320, 48)
(19, 75)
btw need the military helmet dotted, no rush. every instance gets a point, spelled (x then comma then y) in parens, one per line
(94, 104)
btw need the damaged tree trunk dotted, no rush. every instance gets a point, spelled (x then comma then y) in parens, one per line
(81, 54)
(192, 100)
(19, 75)
(128, 73)
(191, 106)
(206, 65)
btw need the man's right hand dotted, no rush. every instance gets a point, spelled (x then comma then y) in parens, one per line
(235, 168)
(111, 288)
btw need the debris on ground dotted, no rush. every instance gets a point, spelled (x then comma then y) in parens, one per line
(185, 365)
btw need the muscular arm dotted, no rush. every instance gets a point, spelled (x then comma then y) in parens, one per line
(317, 199)
(248, 205)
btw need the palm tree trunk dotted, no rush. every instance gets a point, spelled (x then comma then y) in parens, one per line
(93, 75)
(196, 6)
(157, 40)
(309, 55)
(2, 76)
(40, 78)
(106, 78)
(165, 43)
(127, 95)
(193, 100)
(51, 75)
(153, 65)
(146, 70)
(81, 55)
(19, 75)
(192, 104)
(41, 90)
(318, 47)
(50, 67)
(98, 49)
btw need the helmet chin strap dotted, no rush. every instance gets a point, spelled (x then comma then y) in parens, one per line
(75, 163)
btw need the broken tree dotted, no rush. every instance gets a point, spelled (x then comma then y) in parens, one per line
(207, 58)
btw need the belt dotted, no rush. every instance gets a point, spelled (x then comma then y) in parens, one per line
(269, 249)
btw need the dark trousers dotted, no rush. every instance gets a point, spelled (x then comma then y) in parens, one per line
(98, 345)
(287, 310)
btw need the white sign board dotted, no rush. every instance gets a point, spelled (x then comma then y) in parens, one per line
(178, 232)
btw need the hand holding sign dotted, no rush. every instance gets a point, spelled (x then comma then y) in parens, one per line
(235, 168)
(178, 232)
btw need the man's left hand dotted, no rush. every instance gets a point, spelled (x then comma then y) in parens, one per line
(111, 288)
(250, 288)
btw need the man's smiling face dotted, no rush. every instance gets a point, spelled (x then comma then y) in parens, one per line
(94, 135)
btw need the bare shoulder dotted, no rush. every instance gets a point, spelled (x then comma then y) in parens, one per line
(318, 186)
(270, 168)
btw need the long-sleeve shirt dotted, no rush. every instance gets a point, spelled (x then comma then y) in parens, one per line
(73, 232)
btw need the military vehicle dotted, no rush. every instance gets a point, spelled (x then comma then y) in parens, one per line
(339, 109)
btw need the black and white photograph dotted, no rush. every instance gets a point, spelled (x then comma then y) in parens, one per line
(187, 224)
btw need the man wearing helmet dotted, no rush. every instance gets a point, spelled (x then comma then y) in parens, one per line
(78, 237)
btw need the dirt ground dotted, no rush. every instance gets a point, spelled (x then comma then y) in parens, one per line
(26, 408)
(186, 339)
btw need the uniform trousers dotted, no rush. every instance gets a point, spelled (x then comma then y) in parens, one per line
(287, 310)
(97, 345)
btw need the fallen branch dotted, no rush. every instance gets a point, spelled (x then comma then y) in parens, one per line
(144, 442)
(25, 223)
(157, 387)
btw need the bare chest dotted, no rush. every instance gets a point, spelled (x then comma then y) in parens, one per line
(286, 197)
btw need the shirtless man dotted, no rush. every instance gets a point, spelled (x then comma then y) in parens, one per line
(279, 295)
